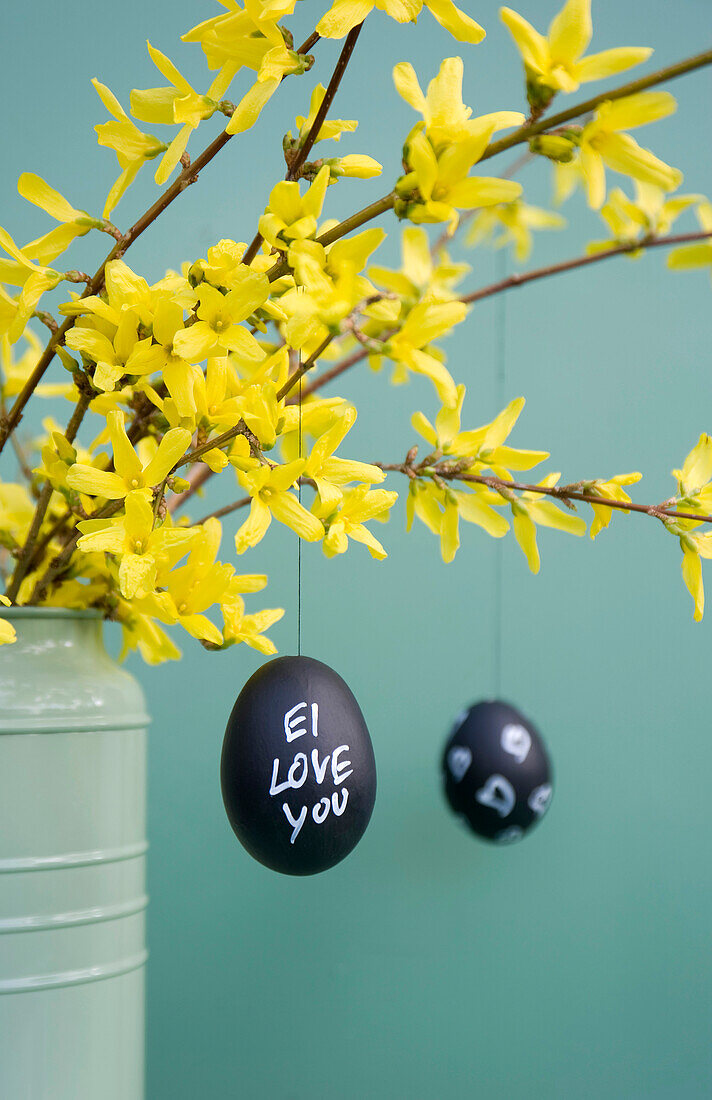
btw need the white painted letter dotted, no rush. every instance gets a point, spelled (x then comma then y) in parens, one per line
(277, 788)
(339, 777)
(319, 770)
(290, 727)
(299, 760)
(338, 810)
(321, 817)
(295, 823)
(315, 719)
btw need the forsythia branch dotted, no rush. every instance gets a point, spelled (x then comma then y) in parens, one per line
(188, 176)
(564, 493)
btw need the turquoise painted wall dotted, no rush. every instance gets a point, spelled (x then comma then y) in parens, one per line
(428, 965)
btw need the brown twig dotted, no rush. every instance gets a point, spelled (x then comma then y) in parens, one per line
(304, 367)
(580, 261)
(563, 493)
(302, 153)
(59, 564)
(367, 214)
(514, 281)
(199, 479)
(225, 510)
(185, 178)
(216, 443)
(27, 552)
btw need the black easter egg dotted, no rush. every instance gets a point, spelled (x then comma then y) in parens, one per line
(497, 772)
(298, 774)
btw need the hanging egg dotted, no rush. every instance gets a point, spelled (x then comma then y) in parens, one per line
(497, 772)
(298, 774)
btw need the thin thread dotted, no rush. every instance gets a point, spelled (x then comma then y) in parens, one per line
(500, 380)
(299, 541)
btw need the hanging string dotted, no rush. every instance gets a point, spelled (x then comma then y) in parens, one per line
(299, 541)
(500, 380)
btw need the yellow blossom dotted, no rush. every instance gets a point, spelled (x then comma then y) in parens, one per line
(130, 474)
(327, 285)
(290, 215)
(34, 279)
(331, 129)
(344, 15)
(329, 472)
(16, 510)
(699, 254)
(650, 214)
(16, 371)
(220, 316)
(132, 147)
(421, 275)
(612, 489)
(446, 118)
(140, 631)
(188, 591)
(269, 490)
(349, 521)
(440, 153)
(251, 38)
(425, 322)
(530, 510)
(235, 38)
(239, 627)
(512, 224)
(484, 446)
(697, 468)
(554, 63)
(693, 548)
(7, 630)
(136, 541)
(114, 358)
(73, 223)
(354, 166)
(603, 144)
(441, 508)
(179, 104)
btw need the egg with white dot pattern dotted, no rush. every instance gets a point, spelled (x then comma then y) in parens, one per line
(497, 772)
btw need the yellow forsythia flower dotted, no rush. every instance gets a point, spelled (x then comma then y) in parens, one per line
(136, 541)
(344, 15)
(440, 155)
(650, 214)
(554, 63)
(603, 144)
(349, 520)
(268, 487)
(130, 473)
(132, 147)
(512, 223)
(178, 105)
(699, 254)
(7, 630)
(291, 216)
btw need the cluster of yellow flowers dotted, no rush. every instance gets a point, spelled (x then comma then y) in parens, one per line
(200, 372)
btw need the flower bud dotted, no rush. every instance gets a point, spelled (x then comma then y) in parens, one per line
(554, 146)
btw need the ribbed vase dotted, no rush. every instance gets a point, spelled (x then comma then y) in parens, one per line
(72, 863)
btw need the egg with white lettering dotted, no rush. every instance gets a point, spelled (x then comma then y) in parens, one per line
(298, 774)
(497, 772)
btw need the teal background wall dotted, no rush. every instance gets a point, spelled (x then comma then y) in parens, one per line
(428, 965)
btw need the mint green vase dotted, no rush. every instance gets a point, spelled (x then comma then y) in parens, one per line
(72, 863)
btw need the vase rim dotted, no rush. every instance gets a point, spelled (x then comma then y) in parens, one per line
(15, 612)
